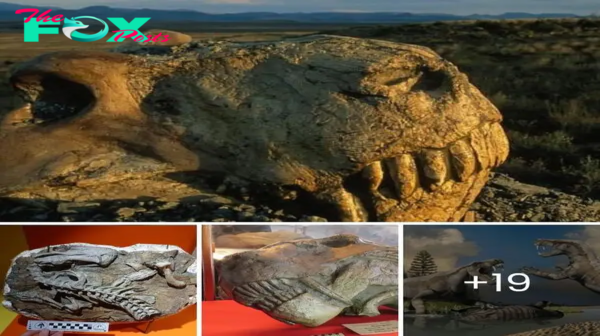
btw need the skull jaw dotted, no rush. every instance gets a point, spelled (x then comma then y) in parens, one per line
(449, 204)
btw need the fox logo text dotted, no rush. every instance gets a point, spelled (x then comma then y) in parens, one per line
(35, 26)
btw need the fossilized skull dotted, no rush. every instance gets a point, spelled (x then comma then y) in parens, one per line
(484, 269)
(135, 283)
(377, 130)
(310, 281)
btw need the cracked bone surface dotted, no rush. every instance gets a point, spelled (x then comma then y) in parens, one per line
(373, 130)
(311, 281)
(84, 282)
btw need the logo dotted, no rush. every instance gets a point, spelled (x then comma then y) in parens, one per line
(32, 29)
(71, 26)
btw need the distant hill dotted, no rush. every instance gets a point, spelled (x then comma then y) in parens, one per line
(11, 7)
(7, 13)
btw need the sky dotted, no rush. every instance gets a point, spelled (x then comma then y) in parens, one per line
(459, 7)
(453, 246)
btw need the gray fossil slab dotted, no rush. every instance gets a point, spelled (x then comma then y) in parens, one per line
(84, 282)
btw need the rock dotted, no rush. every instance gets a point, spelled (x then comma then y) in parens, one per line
(101, 283)
(168, 206)
(516, 201)
(126, 212)
(312, 219)
(76, 207)
(402, 116)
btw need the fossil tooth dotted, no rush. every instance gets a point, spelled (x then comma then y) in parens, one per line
(435, 166)
(165, 268)
(404, 173)
(142, 275)
(462, 159)
(479, 144)
(490, 145)
(373, 173)
(500, 143)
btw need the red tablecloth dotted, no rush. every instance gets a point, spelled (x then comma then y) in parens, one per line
(227, 318)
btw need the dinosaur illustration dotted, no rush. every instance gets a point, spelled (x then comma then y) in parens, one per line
(589, 328)
(449, 285)
(509, 313)
(584, 266)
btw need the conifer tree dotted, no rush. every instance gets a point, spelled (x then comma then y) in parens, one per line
(422, 264)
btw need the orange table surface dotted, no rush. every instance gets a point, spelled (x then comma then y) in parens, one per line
(183, 236)
(182, 324)
(228, 318)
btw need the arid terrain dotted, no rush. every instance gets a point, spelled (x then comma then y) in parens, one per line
(544, 76)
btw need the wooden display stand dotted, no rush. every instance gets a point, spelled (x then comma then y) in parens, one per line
(181, 324)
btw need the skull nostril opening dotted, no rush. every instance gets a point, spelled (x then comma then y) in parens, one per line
(51, 97)
(431, 82)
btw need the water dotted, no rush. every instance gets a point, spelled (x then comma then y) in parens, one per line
(443, 327)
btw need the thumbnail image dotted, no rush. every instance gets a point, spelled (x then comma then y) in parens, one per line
(110, 279)
(299, 279)
(501, 280)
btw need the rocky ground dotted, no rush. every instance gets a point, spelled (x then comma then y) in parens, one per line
(503, 200)
(507, 200)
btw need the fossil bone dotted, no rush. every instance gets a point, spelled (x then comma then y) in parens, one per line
(165, 268)
(376, 130)
(63, 283)
(310, 281)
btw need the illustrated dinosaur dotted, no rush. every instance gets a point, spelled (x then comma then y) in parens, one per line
(449, 285)
(509, 313)
(589, 328)
(584, 265)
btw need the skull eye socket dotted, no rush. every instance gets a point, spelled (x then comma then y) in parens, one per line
(50, 98)
(431, 81)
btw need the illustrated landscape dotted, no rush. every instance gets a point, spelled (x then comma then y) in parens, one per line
(539, 285)
(266, 159)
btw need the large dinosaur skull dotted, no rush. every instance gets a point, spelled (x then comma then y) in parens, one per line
(377, 130)
(310, 281)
